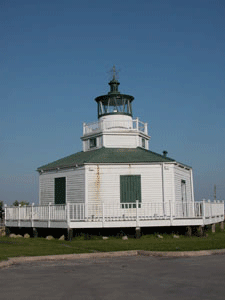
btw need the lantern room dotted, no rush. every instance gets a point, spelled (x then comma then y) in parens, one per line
(114, 103)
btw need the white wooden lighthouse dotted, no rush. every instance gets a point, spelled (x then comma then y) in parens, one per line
(115, 181)
(116, 166)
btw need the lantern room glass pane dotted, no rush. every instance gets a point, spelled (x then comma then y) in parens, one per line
(114, 105)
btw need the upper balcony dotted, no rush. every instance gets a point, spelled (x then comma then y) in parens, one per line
(115, 125)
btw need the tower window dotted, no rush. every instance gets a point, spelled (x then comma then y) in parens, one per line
(143, 143)
(93, 143)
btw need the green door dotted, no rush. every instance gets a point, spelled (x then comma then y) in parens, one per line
(60, 190)
(130, 189)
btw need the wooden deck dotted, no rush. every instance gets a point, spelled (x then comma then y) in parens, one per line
(112, 216)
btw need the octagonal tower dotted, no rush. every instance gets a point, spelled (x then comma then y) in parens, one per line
(115, 127)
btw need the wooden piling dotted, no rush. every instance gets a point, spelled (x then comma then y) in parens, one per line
(137, 232)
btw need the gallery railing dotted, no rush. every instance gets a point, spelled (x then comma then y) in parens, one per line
(135, 124)
(78, 212)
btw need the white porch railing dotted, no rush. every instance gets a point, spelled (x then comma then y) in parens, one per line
(116, 212)
(40, 212)
(135, 124)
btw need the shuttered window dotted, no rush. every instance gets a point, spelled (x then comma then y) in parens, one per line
(60, 190)
(130, 190)
(93, 142)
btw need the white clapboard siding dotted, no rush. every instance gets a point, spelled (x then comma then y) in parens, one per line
(182, 174)
(46, 189)
(104, 182)
(75, 186)
(168, 178)
(120, 140)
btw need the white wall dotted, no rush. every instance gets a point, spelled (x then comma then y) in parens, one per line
(168, 178)
(75, 186)
(103, 182)
(182, 174)
(120, 140)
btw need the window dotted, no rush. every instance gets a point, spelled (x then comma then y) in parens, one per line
(60, 190)
(184, 198)
(130, 190)
(93, 142)
(183, 191)
(143, 143)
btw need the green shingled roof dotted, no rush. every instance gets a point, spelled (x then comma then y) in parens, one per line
(107, 155)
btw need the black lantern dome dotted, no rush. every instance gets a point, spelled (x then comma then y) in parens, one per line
(114, 103)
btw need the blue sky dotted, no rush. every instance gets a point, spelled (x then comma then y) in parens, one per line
(55, 57)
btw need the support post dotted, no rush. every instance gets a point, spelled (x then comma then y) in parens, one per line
(213, 226)
(69, 234)
(138, 233)
(35, 232)
(189, 230)
(200, 230)
(222, 225)
(7, 231)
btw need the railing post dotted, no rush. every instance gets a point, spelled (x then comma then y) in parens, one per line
(137, 214)
(146, 128)
(203, 211)
(49, 214)
(19, 215)
(210, 203)
(32, 215)
(84, 125)
(137, 124)
(68, 214)
(193, 209)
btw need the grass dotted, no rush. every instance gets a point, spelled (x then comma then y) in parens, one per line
(14, 247)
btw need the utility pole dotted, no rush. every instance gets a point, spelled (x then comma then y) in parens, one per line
(214, 192)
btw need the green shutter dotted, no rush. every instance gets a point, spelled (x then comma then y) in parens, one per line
(60, 190)
(130, 188)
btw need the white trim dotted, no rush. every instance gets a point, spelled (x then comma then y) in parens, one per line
(192, 186)
(86, 189)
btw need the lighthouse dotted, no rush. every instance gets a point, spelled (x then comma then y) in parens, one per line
(115, 168)
(115, 127)
(116, 181)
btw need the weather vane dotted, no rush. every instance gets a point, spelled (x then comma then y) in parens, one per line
(114, 74)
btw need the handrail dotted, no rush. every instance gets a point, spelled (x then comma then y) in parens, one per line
(112, 212)
(135, 124)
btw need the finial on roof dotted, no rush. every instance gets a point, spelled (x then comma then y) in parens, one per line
(114, 73)
(114, 83)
